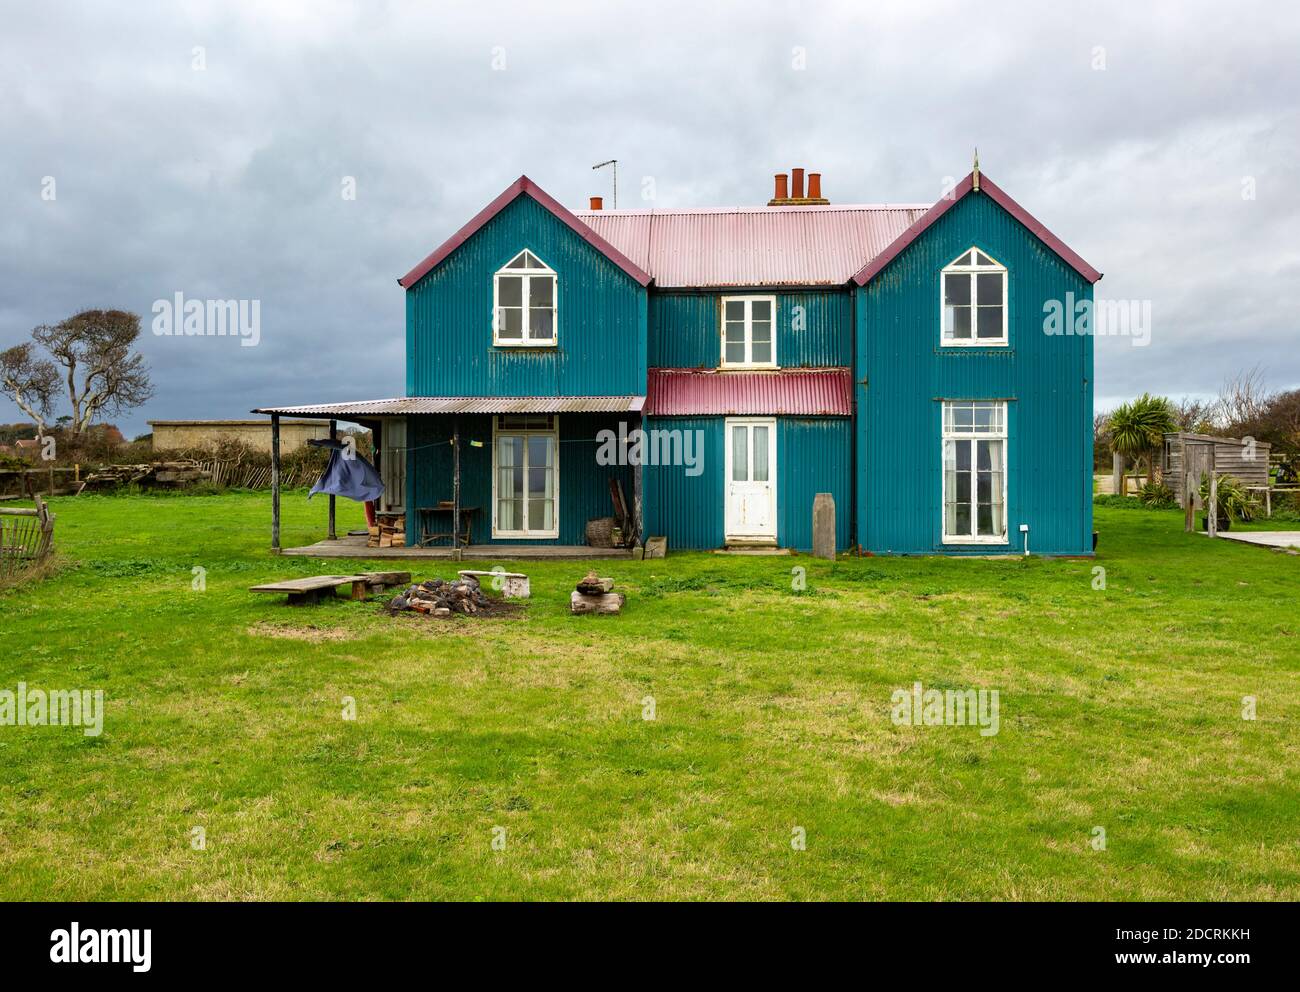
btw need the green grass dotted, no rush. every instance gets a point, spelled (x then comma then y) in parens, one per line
(1119, 708)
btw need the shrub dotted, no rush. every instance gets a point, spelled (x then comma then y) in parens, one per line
(1119, 502)
(1234, 501)
(1157, 496)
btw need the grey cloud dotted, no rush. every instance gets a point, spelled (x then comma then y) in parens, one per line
(226, 182)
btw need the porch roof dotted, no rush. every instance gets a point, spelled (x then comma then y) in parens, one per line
(403, 405)
(790, 392)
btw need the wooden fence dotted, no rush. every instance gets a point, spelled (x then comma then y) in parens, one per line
(26, 537)
(71, 479)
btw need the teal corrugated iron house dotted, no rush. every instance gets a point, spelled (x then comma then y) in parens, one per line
(725, 366)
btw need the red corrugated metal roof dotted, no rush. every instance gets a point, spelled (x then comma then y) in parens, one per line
(520, 187)
(754, 246)
(806, 392)
(464, 404)
(967, 185)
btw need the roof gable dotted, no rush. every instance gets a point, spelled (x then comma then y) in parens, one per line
(1002, 199)
(521, 187)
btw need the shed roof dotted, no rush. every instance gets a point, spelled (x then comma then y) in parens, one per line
(696, 392)
(401, 405)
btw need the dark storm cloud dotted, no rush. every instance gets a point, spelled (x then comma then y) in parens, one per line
(225, 182)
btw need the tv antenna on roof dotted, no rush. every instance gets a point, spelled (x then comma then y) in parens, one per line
(614, 163)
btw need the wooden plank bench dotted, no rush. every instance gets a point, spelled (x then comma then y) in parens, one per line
(315, 588)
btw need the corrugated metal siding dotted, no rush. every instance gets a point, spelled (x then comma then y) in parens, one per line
(813, 455)
(814, 329)
(688, 509)
(754, 246)
(584, 485)
(601, 318)
(675, 392)
(1048, 380)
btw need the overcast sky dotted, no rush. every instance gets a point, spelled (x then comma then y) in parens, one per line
(202, 148)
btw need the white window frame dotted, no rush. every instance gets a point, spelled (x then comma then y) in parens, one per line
(748, 363)
(953, 435)
(554, 433)
(526, 274)
(956, 268)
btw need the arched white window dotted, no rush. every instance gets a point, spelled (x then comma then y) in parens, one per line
(524, 303)
(974, 301)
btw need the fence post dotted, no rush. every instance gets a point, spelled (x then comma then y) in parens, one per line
(275, 482)
(1213, 508)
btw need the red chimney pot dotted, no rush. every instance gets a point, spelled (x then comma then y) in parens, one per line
(796, 184)
(814, 185)
(597, 203)
(782, 191)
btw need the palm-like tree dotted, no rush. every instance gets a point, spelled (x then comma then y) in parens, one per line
(1137, 429)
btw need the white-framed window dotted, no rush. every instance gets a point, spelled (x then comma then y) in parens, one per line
(973, 300)
(974, 472)
(523, 303)
(525, 476)
(749, 332)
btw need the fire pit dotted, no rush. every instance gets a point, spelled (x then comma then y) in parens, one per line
(440, 598)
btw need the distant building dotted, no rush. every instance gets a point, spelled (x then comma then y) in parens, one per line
(169, 435)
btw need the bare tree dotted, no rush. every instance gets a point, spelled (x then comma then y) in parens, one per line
(100, 371)
(1242, 401)
(1196, 416)
(30, 382)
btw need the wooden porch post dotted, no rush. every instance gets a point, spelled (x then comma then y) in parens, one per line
(1212, 526)
(638, 512)
(334, 434)
(455, 485)
(275, 482)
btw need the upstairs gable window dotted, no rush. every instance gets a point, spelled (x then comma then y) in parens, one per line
(524, 304)
(749, 332)
(974, 290)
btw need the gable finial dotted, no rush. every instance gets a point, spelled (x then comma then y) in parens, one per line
(975, 172)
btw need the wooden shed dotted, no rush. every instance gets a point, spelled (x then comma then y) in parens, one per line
(1243, 458)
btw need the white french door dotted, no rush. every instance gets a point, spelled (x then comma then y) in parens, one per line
(751, 479)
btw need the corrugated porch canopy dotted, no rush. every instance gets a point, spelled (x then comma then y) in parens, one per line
(404, 405)
(789, 392)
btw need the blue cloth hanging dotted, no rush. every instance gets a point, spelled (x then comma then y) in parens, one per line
(352, 477)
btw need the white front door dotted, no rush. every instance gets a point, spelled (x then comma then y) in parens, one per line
(751, 479)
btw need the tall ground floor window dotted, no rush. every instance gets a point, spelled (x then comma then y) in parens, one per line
(525, 476)
(974, 472)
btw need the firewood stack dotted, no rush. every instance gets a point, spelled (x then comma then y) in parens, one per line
(440, 598)
(595, 594)
(387, 532)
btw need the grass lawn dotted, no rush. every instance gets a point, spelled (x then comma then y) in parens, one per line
(1119, 708)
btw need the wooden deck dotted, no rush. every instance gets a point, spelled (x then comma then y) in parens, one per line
(355, 547)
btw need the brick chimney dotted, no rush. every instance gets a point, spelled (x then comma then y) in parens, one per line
(789, 191)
